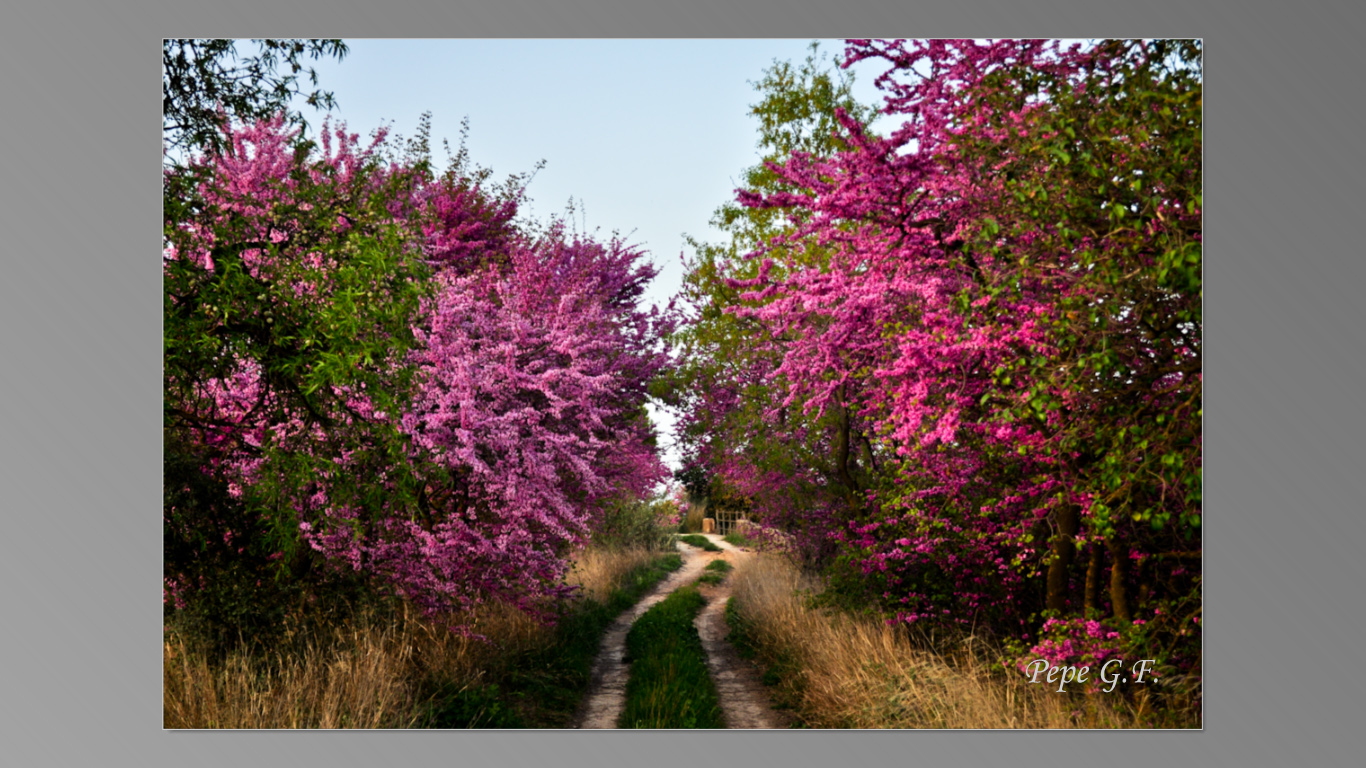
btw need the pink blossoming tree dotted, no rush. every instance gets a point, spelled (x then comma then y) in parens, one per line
(999, 305)
(379, 369)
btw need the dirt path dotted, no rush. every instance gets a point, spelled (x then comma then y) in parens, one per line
(606, 696)
(744, 701)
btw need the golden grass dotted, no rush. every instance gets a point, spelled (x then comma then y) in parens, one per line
(840, 671)
(365, 674)
(599, 570)
(692, 520)
(358, 684)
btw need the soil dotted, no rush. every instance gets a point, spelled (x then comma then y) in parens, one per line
(744, 700)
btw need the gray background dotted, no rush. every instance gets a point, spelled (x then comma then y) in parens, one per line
(79, 381)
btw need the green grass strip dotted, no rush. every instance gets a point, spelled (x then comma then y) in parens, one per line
(716, 572)
(669, 685)
(542, 687)
(738, 540)
(698, 540)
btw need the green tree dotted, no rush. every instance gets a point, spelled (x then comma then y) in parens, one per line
(204, 82)
(263, 283)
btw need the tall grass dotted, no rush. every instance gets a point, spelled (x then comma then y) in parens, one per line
(842, 671)
(404, 671)
(692, 520)
(364, 675)
(600, 570)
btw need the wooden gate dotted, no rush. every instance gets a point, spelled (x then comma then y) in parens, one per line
(725, 520)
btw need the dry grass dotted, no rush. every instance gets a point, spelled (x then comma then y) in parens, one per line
(839, 671)
(599, 570)
(365, 675)
(692, 521)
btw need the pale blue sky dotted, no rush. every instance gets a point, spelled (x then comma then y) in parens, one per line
(650, 135)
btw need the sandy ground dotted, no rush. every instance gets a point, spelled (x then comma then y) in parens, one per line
(744, 701)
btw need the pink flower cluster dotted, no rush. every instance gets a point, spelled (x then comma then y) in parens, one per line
(532, 360)
(922, 392)
(1073, 643)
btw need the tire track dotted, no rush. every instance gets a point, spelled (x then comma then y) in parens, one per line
(744, 701)
(606, 697)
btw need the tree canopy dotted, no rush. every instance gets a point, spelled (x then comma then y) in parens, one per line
(205, 82)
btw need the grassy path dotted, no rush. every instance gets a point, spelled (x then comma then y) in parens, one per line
(744, 701)
(606, 697)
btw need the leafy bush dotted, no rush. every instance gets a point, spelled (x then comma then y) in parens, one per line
(631, 522)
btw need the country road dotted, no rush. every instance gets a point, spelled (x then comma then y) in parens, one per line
(744, 701)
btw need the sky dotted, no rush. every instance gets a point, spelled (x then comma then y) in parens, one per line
(648, 137)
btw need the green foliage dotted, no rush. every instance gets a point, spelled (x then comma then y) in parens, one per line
(477, 707)
(796, 113)
(849, 589)
(629, 522)
(738, 540)
(243, 597)
(715, 572)
(205, 80)
(1116, 169)
(310, 352)
(670, 686)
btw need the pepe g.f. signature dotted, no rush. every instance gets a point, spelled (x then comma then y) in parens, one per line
(1064, 675)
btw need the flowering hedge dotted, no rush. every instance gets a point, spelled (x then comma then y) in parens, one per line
(382, 370)
(985, 329)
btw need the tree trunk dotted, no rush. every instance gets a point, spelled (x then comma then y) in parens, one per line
(1145, 573)
(1119, 599)
(1064, 550)
(842, 446)
(1093, 574)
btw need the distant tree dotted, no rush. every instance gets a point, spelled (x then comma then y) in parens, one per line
(205, 81)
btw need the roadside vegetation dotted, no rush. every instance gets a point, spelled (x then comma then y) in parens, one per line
(738, 540)
(692, 519)
(715, 572)
(954, 366)
(841, 668)
(385, 665)
(407, 672)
